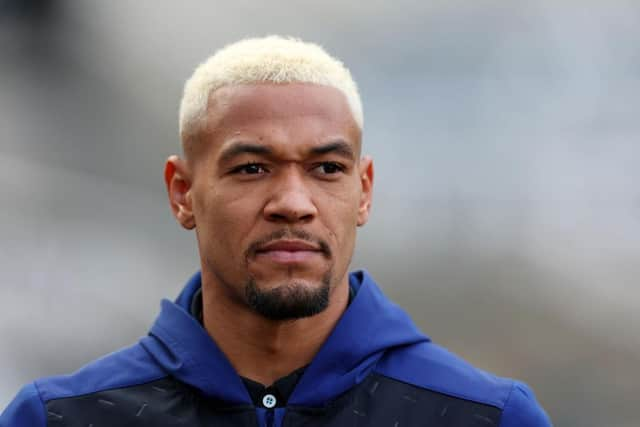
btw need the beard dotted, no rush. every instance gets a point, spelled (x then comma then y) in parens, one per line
(289, 301)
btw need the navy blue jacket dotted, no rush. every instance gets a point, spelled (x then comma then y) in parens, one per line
(375, 369)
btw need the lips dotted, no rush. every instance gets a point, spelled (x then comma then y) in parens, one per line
(288, 251)
(288, 246)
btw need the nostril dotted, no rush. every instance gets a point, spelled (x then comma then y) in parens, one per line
(289, 206)
(290, 217)
(277, 217)
(307, 217)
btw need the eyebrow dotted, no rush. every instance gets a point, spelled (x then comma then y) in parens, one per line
(340, 148)
(240, 148)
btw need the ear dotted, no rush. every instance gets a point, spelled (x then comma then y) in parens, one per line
(177, 177)
(366, 181)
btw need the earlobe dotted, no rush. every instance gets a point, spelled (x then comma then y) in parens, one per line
(177, 178)
(366, 182)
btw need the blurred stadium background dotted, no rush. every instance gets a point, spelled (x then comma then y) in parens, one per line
(506, 214)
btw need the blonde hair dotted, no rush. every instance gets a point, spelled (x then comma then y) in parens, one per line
(273, 59)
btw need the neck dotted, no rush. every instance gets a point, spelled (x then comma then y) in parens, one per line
(265, 350)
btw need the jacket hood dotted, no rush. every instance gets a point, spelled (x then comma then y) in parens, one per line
(371, 325)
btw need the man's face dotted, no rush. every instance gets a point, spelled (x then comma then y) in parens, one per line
(275, 188)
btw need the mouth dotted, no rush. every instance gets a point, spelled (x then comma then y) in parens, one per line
(289, 252)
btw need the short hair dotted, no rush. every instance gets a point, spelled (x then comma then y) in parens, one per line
(272, 59)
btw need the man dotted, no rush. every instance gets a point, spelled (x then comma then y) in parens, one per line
(274, 331)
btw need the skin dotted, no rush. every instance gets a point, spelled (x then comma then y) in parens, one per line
(271, 162)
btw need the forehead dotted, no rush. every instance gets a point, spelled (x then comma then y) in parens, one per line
(279, 112)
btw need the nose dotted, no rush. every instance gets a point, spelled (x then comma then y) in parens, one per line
(290, 200)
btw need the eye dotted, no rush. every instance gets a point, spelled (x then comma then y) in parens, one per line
(329, 168)
(249, 169)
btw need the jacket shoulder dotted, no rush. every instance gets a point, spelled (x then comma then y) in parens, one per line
(522, 409)
(126, 367)
(429, 366)
(26, 409)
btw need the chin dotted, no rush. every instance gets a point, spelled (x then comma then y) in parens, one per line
(289, 299)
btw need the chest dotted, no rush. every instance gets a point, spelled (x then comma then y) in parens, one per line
(376, 402)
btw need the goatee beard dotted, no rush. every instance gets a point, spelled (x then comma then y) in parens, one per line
(289, 301)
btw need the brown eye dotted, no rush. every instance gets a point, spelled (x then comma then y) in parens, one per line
(250, 169)
(329, 168)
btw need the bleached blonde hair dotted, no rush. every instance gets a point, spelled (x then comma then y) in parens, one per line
(272, 59)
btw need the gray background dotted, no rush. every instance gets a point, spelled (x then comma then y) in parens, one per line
(506, 212)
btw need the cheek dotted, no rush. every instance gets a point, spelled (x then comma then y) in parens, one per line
(349, 204)
(222, 220)
(342, 218)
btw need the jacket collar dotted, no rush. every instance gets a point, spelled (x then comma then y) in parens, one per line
(370, 326)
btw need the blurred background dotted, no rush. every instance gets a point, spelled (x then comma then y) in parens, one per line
(506, 213)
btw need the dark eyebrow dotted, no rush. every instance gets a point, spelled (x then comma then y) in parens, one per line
(339, 147)
(239, 148)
